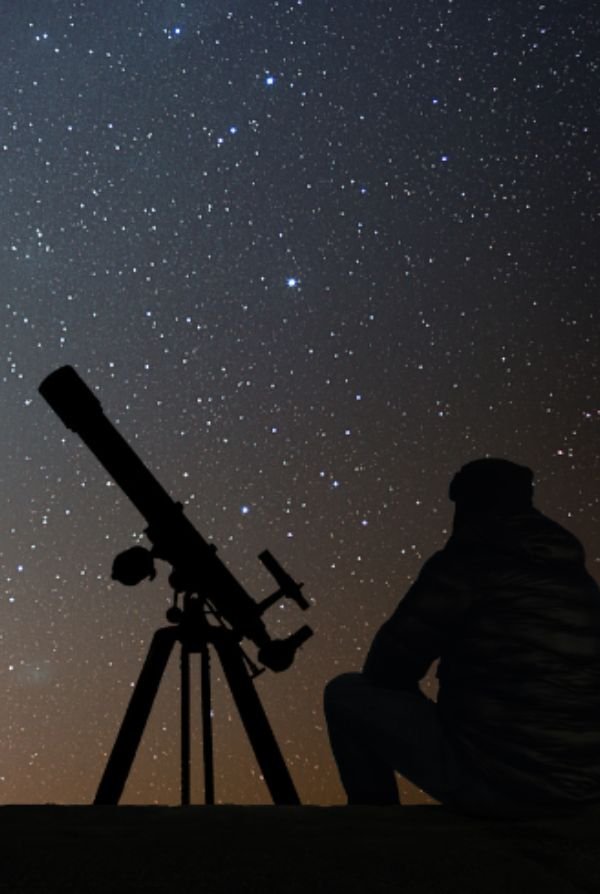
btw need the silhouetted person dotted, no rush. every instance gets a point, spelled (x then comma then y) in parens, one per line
(512, 613)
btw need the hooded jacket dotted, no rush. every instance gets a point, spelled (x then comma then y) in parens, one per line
(514, 617)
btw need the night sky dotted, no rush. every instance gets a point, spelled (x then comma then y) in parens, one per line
(313, 257)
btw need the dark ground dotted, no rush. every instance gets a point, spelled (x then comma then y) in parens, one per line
(292, 849)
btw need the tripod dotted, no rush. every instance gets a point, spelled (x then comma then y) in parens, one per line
(197, 635)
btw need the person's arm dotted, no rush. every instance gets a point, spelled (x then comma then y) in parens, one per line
(421, 627)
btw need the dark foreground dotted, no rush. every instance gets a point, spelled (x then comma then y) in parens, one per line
(292, 849)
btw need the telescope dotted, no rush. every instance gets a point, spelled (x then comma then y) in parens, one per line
(210, 608)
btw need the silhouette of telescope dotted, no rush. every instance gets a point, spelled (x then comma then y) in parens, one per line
(196, 567)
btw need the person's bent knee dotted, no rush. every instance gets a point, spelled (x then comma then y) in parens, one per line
(340, 688)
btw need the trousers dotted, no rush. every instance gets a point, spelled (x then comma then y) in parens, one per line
(376, 733)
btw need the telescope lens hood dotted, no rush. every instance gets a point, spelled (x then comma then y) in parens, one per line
(70, 398)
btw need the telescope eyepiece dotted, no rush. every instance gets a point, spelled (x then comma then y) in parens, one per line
(278, 654)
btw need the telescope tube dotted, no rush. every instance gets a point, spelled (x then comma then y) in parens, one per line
(174, 537)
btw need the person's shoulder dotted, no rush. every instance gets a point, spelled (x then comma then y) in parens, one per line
(437, 560)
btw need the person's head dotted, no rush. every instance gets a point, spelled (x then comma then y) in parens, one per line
(492, 486)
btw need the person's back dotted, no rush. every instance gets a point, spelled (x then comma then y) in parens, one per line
(520, 677)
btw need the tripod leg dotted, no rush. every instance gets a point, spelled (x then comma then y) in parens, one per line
(256, 723)
(127, 741)
(207, 741)
(185, 726)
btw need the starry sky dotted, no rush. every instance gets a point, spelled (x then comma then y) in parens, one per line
(312, 256)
